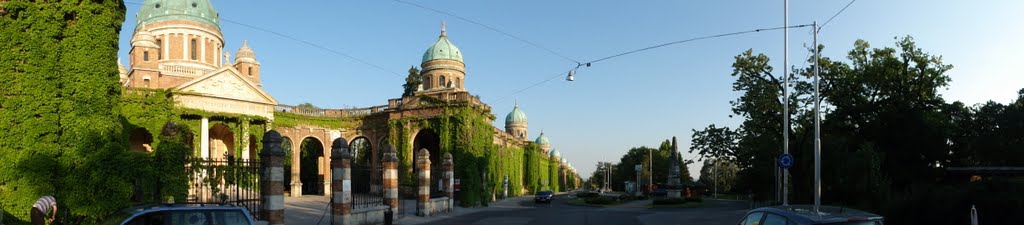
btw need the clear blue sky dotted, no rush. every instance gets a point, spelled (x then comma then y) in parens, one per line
(639, 99)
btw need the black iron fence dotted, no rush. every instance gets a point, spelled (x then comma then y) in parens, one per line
(437, 182)
(225, 182)
(367, 186)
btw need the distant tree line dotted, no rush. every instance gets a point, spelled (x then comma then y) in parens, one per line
(625, 170)
(887, 136)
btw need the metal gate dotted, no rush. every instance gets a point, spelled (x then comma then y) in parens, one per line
(367, 186)
(225, 182)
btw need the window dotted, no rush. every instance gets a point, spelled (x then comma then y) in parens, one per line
(774, 219)
(145, 55)
(145, 82)
(441, 81)
(458, 82)
(152, 218)
(426, 83)
(159, 49)
(250, 71)
(753, 218)
(193, 49)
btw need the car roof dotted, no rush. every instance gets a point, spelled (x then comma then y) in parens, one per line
(804, 214)
(166, 207)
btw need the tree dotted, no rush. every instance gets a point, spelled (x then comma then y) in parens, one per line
(307, 105)
(719, 173)
(412, 82)
(59, 108)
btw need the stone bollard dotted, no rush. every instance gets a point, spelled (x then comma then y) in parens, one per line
(423, 173)
(390, 164)
(272, 179)
(341, 180)
(449, 180)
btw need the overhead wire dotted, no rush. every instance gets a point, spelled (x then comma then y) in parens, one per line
(549, 50)
(330, 50)
(652, 47)
(837, 14)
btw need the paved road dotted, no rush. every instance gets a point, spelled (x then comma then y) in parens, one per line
(559, 212)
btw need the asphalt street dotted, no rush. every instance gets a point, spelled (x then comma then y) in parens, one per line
(562, 213)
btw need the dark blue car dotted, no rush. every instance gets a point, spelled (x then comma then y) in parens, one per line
(805, 215)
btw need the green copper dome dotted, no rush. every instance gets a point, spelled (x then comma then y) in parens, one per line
(202, 11)
(443, 49)
(515, 116)
(542, 140)
(554, 153)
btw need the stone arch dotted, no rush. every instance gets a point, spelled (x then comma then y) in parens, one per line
(141, 140)
(429, 139)
(287, 146)
(253, 147)
(311, 165)
(362, 150)
(222, 142)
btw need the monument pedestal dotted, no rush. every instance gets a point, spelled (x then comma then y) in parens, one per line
(674, 193)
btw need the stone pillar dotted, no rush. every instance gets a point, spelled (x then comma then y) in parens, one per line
(296, 189)
(449, 180)
(204, 138)
(423, 173)
(390, 164)
(341, 190)
(271, 178)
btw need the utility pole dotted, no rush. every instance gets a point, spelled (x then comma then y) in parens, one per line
(785, 96)
(817, 125)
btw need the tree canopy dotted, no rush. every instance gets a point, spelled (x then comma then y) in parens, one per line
(887, 134)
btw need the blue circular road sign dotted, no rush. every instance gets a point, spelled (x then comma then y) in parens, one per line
(785, 161)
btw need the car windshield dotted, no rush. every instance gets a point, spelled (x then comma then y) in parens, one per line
(544, 193)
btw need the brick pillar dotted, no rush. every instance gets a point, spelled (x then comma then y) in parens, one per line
(390, 164)
(449, 180)
(341, 182)
(272, 179)
(423, 173)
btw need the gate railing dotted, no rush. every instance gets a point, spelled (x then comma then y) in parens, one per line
(225, 182)
(367, 186)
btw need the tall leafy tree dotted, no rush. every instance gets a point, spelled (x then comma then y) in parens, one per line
(412, 82)
(59, 107)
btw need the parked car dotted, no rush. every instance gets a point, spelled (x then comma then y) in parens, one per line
(182, 215)
(544, 196)
(805, 215)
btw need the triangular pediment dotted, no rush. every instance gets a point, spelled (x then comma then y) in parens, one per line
(226, 83)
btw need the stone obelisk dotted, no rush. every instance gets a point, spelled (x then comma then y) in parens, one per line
(674, 187)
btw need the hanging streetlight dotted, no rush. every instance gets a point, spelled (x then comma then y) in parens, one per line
(572, 72)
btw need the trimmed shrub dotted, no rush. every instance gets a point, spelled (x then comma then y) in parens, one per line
(587, 194)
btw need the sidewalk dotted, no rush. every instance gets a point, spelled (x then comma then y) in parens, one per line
(506, 204)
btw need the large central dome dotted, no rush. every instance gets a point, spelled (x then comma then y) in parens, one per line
(443, 49)
(202, 11)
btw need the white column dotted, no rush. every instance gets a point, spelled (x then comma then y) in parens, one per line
(184, 46)
(204, 138)
(202, 50)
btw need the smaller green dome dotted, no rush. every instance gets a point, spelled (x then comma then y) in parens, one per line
(443, 49)
(543, 140)
(515, 116)
(564, 161)
(554, 153)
